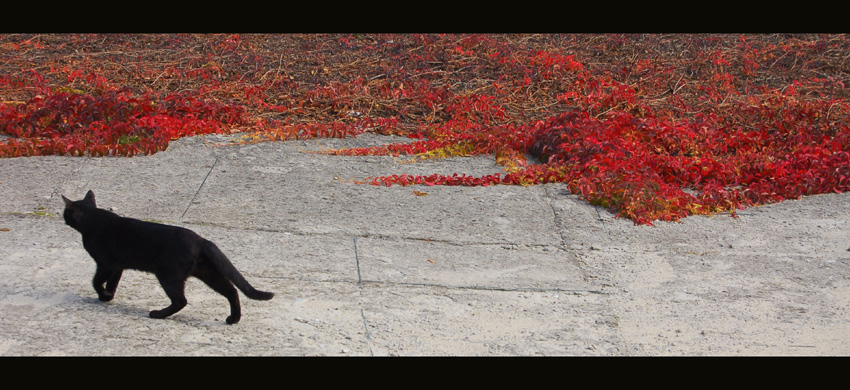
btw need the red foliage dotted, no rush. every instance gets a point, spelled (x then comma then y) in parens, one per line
(114, 122)
(653, 127)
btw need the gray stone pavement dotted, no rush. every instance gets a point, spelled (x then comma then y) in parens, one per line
(360, 270)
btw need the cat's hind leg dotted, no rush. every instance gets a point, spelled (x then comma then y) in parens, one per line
(217, 281)
(174, 288)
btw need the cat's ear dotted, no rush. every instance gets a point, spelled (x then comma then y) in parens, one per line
(68, 202)
(89, 197)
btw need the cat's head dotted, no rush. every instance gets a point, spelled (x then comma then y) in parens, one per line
(75, 210)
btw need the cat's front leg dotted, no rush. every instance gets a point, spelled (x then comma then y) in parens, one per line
(112, 282)
(104, 275)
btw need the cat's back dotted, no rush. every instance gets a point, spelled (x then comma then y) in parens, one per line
(156, 230)
(139, 242)
(131, 231)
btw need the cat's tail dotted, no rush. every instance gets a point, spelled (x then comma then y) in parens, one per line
(211, 252)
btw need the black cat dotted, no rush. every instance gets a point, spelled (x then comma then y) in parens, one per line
(172, 253)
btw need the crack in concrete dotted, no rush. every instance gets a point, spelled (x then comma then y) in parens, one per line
(199, 188)
(368, 235)
(362, 282)
(360, 303)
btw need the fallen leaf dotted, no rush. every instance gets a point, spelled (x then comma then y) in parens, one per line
(419, 193)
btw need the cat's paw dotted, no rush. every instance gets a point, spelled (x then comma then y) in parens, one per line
(105, 296)
(232, 320)
(158, 314)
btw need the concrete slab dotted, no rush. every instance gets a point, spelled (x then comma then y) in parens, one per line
(773, 281)
(29, 184)
(266, 185)
(480, 266)
(371, 271)
(455, 321)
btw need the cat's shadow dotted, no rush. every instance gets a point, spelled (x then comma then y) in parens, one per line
(113, 306)
(133, 312)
